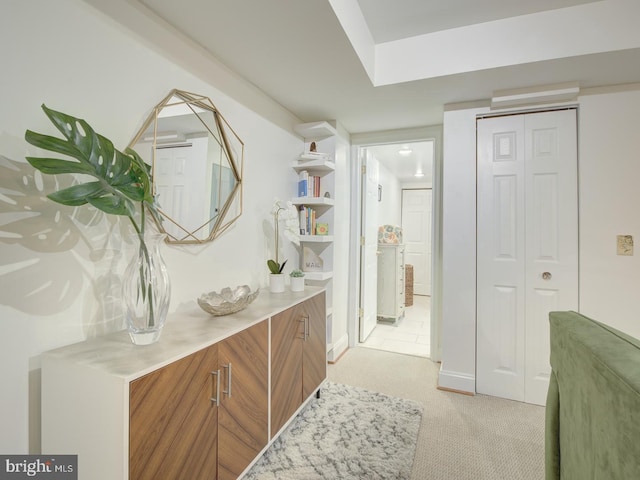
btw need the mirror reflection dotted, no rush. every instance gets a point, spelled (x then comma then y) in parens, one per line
(197, 161)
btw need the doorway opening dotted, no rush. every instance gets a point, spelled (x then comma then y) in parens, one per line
(396, 247)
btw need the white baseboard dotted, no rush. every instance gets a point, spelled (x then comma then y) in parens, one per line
(338, 349)
(457, 381)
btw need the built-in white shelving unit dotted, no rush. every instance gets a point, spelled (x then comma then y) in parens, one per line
(319, 163)
(314, 201)
(317, 238)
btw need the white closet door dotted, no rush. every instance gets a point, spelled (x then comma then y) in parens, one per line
(552, 236)
(501, 258)
(527, 247)
(416, 233)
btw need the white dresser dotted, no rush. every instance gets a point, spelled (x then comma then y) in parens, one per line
(390, 281)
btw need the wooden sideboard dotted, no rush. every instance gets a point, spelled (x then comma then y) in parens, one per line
(204, 402)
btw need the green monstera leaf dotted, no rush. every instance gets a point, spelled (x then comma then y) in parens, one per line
(121, 179)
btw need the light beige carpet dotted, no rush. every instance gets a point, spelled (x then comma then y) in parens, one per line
(461, 437)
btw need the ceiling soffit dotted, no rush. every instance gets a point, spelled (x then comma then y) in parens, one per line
(584, 29)
(400, 19)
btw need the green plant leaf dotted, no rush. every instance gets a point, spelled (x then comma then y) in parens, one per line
(113, 205)
(143, 173)
(122, 178)
(273, 266)
(76, 194)
(54, 144)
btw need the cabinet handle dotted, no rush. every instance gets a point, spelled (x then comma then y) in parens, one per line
(308, 327)
(305, 333)
(303, 320)
(215, 395)
(228, 390)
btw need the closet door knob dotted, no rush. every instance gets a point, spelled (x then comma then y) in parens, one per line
(546, 276)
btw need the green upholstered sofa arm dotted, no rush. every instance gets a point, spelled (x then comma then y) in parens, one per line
(593, 403)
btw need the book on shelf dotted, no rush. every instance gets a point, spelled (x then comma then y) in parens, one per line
(322, 229)
(308, 185)
(307, 219)
(302, 214)
(302, 188)
(303, 184)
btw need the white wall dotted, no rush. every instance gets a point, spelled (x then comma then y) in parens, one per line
(57, 289)
(608, 171)
(457, 370)
(341, 236)
(390, 208)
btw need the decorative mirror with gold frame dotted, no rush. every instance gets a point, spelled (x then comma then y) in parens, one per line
(197, 161)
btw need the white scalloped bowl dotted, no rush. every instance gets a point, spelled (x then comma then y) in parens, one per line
(227, 301)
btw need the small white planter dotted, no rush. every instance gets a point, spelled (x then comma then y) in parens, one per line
(297, 284)
(276, 282)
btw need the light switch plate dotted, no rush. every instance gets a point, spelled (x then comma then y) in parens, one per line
(625, 244)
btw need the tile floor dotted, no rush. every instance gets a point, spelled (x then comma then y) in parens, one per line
(410, 335)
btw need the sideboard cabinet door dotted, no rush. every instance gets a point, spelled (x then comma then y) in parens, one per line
(286, 366)
(243, 413)
(298, 357)
(173, 422)
(314, 352)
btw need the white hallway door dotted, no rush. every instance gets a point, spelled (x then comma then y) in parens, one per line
(416, 231)
(527, 247)
(369, 247)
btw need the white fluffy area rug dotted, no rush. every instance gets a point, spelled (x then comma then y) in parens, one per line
(348, 433)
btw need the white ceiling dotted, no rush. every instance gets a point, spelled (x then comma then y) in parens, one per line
(392, 20)
(317, 58)
(417, 157)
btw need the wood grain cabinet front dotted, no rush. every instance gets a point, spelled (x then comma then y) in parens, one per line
(194, 406)
(298, 357)
(243, 414)
(173, 427)
(204, 416)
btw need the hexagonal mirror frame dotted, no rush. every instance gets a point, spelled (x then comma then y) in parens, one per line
(197, 162)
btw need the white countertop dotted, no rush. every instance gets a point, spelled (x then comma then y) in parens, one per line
(185, 332)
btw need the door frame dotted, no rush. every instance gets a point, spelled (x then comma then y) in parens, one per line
(433, 133)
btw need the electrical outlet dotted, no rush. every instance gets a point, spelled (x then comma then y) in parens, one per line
(625, 244)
